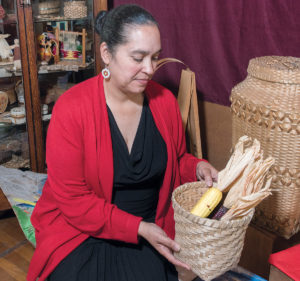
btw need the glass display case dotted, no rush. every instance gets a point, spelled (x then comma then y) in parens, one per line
(14, 148)
(49, 45)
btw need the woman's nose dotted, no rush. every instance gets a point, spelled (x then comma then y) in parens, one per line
(149, 67)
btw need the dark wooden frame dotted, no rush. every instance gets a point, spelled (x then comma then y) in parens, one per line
(31, 87)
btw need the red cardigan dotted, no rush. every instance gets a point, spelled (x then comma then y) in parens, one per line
(76, 199)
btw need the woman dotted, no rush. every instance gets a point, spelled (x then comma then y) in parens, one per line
(115, 152)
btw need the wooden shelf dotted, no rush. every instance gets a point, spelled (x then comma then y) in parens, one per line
(38, 19)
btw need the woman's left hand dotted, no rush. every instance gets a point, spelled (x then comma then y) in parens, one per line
(206, 172)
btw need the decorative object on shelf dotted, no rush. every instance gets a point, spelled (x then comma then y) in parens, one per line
(266, 106)
(44, 109)
(18, 114)
(6, 53)
(2, 13)
(75, 9)
(49, 7)
(9, 89)
(3, 101)
(19, 89)
(17, 55)
(5, 117)
(72, 44)
(70, 55)
(48, 48)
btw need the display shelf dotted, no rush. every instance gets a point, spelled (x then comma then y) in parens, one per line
(64, 66)
(9, 71)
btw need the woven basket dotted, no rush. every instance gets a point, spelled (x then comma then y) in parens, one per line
(49, 7)
(209, 246)
(266, 106)
(75, 9)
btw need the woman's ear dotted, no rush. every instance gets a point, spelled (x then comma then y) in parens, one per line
(105, 53)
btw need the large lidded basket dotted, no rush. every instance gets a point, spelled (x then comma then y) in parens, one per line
(266, 106)
(209, 246)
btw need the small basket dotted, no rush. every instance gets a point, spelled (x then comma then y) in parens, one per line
(209, 246)
(75, 9)
(10, 91)
(49, 7)
(3, 101)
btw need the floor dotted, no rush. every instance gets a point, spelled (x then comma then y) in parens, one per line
(16, 253)
(15, 250)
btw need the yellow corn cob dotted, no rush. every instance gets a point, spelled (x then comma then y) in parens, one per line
(206, 204)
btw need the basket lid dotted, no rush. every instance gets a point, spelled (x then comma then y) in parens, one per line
(276, 69)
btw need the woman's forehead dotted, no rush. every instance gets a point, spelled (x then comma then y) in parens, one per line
(143, 37)
(138, 32)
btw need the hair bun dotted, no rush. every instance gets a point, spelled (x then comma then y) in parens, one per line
(100, 21)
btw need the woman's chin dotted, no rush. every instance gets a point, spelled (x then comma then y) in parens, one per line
(139, 89)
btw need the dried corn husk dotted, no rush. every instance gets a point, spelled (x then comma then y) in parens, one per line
(244, 177)
(244, 153)
(250, 181)
(245, 204)
(250, 189)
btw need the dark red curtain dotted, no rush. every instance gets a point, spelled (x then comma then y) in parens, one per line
(216, 39)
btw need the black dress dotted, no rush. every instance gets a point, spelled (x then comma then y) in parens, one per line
(138, 177)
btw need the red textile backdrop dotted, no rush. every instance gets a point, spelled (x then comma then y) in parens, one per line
(216, 39)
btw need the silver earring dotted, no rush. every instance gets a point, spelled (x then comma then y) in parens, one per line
(105, 73)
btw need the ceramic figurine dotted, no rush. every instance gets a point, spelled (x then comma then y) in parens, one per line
(5, 50)
(47, 48)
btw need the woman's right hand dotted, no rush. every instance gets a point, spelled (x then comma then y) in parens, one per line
(161, 242)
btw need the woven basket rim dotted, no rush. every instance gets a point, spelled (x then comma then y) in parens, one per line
(236, 223)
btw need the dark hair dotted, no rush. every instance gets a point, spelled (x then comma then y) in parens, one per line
(111, 25)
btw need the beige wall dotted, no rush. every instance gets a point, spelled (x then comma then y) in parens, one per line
(215, 125)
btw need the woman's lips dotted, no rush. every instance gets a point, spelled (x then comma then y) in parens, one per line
(142, 81)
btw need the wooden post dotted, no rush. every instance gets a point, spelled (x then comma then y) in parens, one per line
(57, 33)
(83, 47)
(31, 87)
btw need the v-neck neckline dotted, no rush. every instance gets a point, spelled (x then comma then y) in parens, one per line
(129, 153)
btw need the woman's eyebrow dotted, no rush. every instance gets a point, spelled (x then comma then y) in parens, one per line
(142, 52)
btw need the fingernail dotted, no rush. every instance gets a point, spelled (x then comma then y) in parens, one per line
(177, 248)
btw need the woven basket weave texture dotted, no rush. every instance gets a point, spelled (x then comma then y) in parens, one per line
(266, 106)
(209, 246)
(75, 9)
